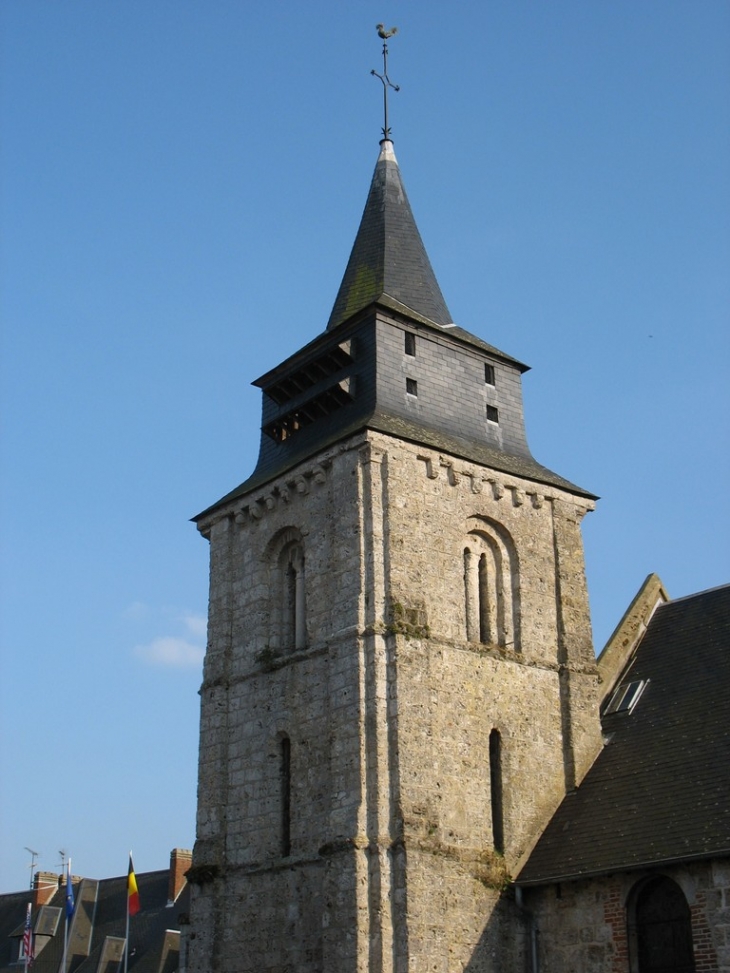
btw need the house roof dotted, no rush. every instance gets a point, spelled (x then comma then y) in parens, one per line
(12, 919)
(659, 791)
(99, 918)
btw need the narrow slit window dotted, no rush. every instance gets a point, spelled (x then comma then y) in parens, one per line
(290, 606)
(495, 781)
(471, 596)
(485, 634)
(488, 374)
(293, 607)
(410, 344)
(492, 413)
(285, 797)
(411, 386)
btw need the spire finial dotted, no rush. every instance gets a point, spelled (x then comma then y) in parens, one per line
(387, 83)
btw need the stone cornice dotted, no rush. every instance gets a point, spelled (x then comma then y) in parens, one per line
(456, 472)
(254, 507)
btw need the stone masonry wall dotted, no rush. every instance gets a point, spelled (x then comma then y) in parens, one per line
(261, 909)
(456, 691)
(449, 693)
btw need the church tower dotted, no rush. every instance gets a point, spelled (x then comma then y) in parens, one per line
(399, 685)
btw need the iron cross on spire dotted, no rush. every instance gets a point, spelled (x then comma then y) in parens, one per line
(387, 83)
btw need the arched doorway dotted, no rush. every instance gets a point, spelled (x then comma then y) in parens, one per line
(663, 928)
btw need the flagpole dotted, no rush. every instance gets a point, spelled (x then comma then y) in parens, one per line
(66, 917)
(133, 906)
(126, 909)
(126, 930)
(28, 938)
(25, 950)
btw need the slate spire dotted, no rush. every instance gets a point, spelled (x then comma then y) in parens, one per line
(388, 263)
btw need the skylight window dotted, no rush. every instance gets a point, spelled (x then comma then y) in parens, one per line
(626, 696)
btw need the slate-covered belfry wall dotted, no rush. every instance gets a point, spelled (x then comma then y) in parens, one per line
(451, 400)
(388, 704)
(452, 393)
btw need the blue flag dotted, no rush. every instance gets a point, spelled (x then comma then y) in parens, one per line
(69, 894)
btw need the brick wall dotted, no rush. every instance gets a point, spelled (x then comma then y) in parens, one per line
(584, 926)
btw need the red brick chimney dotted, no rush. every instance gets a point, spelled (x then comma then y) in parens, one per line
(45, 886)
(180, 862)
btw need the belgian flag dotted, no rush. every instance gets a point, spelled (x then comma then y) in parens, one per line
(132, 892)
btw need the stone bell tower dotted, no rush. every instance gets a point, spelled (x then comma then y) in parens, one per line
(399, 685)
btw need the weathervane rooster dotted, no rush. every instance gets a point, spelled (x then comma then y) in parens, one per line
(387, 83)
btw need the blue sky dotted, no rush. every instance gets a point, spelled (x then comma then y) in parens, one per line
(181, 185)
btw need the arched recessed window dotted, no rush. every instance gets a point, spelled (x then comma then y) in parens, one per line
(491, 586)
(660, 928)
(495, 782)
(288, 612)
(285, 772)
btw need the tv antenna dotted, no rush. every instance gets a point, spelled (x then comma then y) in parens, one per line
(34, 855)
